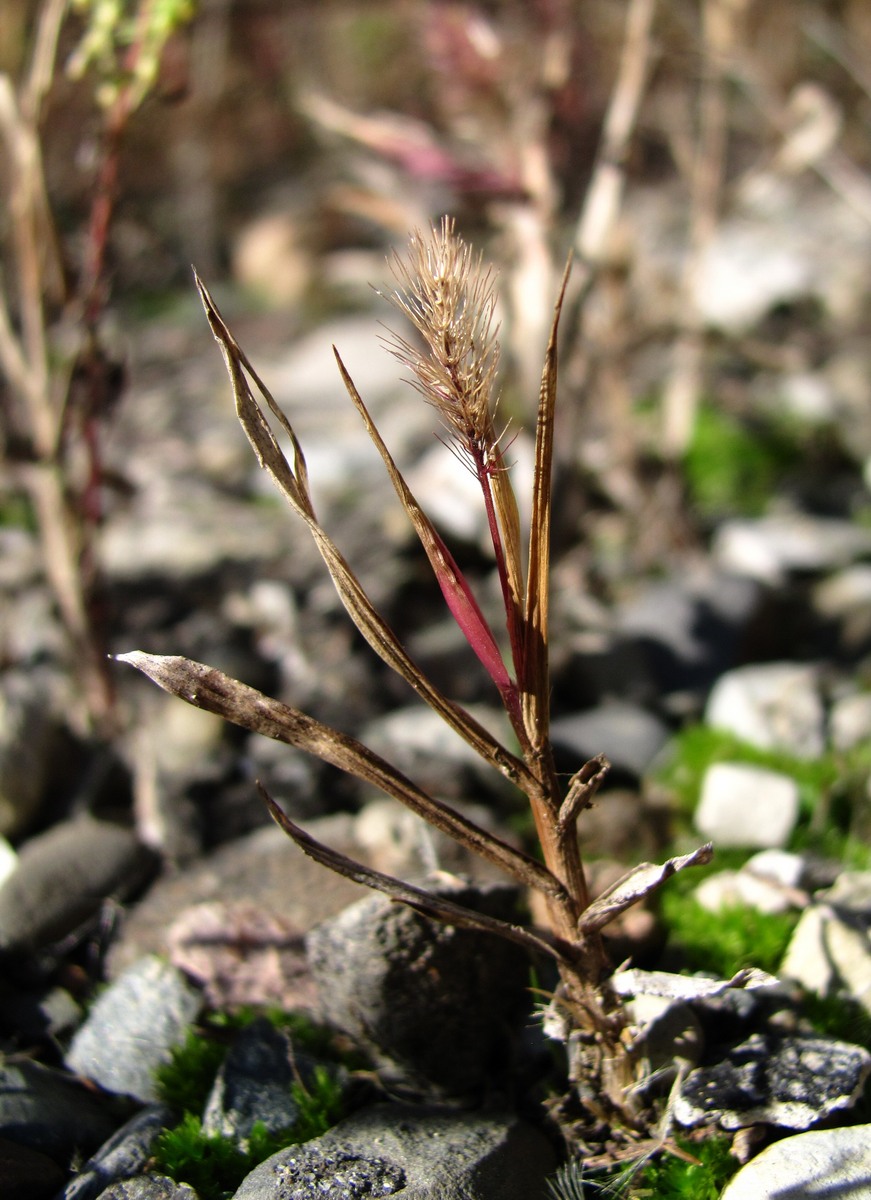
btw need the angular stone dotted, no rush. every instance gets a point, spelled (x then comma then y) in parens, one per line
(788, 1081)
(253, 1084)
(64, 875)
(51, 1112)
(775, 706)
(417, 1153)
(133, 1026)
(435, 1005)
(768, 548)
(27, 1174)
(125, 1153)
(742, 805)
(149, 1187)
(628, 735)
(828, 953)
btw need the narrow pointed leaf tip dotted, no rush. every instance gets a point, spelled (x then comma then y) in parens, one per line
(454, 586)
(638, 883)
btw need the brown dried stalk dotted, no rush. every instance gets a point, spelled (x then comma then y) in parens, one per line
(450, 299)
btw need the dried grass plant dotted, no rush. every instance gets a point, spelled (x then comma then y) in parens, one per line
(449, 297)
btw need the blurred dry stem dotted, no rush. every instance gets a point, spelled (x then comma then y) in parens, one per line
(60, 400)
(32, 288)
(721, 36)
(448, 294)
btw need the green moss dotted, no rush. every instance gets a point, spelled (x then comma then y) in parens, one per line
(16, 512)
(700, 1176)
(215, 1166)
(729, 940)
(838, 1017)
(671, 1178)
(319, 1105)
(733, 467)
(184, 1082)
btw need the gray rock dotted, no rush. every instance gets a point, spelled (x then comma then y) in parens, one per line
(396, 1150)
(149, 1187)
(770, 881)
(777, 247)
(49, 1111)
(781, 867)
(851, 893)
(26, 1174)
(845, 594)
(823, 1162)
(178, 526)
(775, 706)
(742, 805)
(30, 738)
(688, 626)
(263, 869)
(828, 953)
(770, 548)
(788, 1081)
(253, 1084)
(433, 1004)
(64, 875)
(132, 1027)
(125, 1154)
(628, 736)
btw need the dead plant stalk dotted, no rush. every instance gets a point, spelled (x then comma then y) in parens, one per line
(450, 298)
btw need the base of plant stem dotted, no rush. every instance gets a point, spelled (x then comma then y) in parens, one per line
(601, 1139)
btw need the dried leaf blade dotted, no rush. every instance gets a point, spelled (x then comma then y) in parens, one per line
(417, 898)
(212, 690)
(535, 685)
(638, 883)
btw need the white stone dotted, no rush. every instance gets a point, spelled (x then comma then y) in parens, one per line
(823, 1163)
(451, 496)
(767, 548)
(781, 866)
(8, 860)
(743, 805)
(745, 272)
(775, 706)
(840, 595)
(827, 954)
(729, 889)
(850, 721)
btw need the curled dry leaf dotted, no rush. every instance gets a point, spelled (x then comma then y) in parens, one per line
(636, 885)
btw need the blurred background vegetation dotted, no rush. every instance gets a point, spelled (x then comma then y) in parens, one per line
(284, 147)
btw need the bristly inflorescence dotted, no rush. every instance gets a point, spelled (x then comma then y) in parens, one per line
(450, 298)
